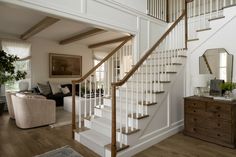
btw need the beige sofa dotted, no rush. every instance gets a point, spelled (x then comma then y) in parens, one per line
(33, 111)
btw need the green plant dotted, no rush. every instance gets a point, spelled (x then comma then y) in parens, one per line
(228, 86)
(7, 68)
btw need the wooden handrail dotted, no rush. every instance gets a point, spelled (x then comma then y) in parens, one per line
(88, 74)
(103, 60)
(140, 62)
(129, 74)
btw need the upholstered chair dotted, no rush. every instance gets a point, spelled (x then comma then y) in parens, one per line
(33, 111)
(9, 104)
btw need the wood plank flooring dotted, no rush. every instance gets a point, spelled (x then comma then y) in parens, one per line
(15, 142)
(180, 145)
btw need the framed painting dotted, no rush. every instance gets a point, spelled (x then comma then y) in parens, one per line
(64, 66)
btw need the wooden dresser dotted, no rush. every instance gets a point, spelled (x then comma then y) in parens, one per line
(210, 120)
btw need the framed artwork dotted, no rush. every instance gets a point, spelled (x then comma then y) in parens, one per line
(64, 66)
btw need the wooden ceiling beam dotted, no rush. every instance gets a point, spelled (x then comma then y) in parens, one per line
(108, 42)
(81, 36)
(43, 24)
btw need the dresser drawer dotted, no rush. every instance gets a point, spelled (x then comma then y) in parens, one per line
(224, 137)
(194, 129)
(195, 104)
(219, 125)
(218, 107)
(220, 115)
(196, 111)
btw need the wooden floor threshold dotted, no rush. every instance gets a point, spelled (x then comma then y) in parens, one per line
(216, 18)
(130, 131)
(205, 29)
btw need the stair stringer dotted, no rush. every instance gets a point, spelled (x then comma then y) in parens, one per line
(215, 26)
(151, 135)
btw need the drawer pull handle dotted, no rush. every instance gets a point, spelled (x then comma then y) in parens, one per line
(218, 124)
(218, 108)
(194, 104)
(218, 115)
(194, 129)
(194, 111)
(218, 135)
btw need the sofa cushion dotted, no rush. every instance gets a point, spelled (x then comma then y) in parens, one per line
(55, 87)
(65, 90)
(44, 89)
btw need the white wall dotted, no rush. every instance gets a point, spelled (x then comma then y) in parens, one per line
(40, 58)
(140, 5)
(222, 37)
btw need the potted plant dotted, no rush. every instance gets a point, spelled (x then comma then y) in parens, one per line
(227, 88)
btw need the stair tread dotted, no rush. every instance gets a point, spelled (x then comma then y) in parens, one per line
(204, 29)
(216, 18)
(96, 137)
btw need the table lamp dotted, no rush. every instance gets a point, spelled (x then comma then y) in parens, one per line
(199, 82)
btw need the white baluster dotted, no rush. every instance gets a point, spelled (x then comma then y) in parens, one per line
(126, 109)
(120, 105)
(80, 100)
(90, 96)
(132, 103)
(85, 98)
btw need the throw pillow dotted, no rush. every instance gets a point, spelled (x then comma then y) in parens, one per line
(55, 87)
(20, 95)
(44, 89)
(65, 90)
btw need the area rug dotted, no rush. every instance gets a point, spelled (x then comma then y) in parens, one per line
(66, 151)
(63, 117)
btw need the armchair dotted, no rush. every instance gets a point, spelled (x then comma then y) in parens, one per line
(33, 112)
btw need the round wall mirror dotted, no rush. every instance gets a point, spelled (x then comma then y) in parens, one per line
(217, 62)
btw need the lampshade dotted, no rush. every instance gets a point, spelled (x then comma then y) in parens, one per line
(201, 80)
(23, 85)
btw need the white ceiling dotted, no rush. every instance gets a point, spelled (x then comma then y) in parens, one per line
(17, 20)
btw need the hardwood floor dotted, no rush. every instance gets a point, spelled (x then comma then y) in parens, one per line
(15, 142)
(180, 145)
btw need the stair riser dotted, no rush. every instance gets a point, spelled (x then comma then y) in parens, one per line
(154, 61)
(90, 144)
(147, 76)
(151, 69)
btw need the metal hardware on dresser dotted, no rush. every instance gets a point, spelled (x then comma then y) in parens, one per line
(210, 120)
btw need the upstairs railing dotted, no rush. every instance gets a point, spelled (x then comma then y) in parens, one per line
(93, 86)
(201, 12)
(132, 94)
(165, 10)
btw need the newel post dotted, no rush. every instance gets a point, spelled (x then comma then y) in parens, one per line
(113, 127)
(186, 23)
(73, 109)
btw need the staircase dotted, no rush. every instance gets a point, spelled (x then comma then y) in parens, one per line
(129, 107)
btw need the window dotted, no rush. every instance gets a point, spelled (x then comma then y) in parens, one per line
(99, 74)
(223, 66)
(22, 50)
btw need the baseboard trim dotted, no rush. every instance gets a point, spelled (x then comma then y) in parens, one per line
(148, 143)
